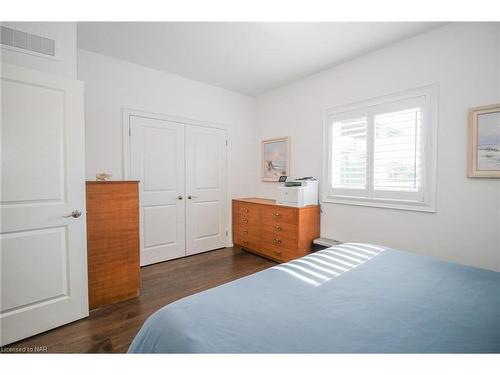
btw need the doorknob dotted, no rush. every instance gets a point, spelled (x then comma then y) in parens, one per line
(192, 196)
(179, 197)
(75, 214)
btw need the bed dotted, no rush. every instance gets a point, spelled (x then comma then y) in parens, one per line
(351, 298)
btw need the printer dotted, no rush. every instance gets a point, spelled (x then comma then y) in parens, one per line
(297, 192)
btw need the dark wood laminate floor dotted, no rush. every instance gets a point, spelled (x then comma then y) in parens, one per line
(112, 328)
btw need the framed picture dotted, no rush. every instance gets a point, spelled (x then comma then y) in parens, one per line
(484, 141)
(275, 158)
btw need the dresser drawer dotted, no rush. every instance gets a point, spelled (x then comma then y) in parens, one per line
(278, 253)
(274, 239)
(278, 214)
(245, 209)
(246, 241)
(281, 229)
(246, 221)
(247, 230)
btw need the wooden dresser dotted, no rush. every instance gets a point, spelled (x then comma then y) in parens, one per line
(281, 233)
(113, 241)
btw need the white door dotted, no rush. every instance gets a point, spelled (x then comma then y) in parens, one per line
(206, 206)
(157, 161)
(43, 249)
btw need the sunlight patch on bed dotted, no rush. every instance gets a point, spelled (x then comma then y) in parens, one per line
(376, 248)
(332, 256)
(360, 250)
(311, 264)
(322, 266)
(322, 262)
(323, 258)
(364, 256)
(343, 256)
(297, 275)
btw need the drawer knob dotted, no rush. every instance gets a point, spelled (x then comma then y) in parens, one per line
(245, 209)
(277, 253)
(277, 228)
(245, 231)
(276, 240)
(245, 221)
(245, 242)
(277, 214)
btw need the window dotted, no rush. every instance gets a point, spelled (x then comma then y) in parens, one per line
(382, 152)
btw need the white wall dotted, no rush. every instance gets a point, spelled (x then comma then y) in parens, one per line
(64, 33)
(463, 59)
(498, 96)
(111, 85)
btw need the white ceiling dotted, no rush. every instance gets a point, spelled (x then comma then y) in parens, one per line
(250, 58)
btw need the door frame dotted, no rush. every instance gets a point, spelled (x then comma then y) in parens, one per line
(128, 112)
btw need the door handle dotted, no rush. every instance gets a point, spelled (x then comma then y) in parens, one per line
(75, 213)
(192, 196)
(179, 197)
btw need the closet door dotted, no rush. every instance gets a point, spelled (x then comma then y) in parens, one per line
(206, 206)
(157, 161)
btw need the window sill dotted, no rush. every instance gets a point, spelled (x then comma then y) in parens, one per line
(382, 203)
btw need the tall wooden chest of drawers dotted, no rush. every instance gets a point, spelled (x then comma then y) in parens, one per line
(281, 233)
(113, 241)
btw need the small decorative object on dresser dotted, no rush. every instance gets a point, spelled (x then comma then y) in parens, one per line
(275, 158)
(484, 141)
(112, 241)
(277, 232)
(103, 176)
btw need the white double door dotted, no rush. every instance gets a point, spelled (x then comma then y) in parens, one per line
(43, 251)
(183, 187)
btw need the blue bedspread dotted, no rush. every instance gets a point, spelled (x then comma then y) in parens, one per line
(352, 298)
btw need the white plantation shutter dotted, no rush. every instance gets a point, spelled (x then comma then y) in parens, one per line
(349, 153)
(375, 152)
(397, 151)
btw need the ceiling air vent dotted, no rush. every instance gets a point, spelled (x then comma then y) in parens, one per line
(27, 42)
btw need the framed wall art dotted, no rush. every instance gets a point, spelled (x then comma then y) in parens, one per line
(484, 142)
(275, 158)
